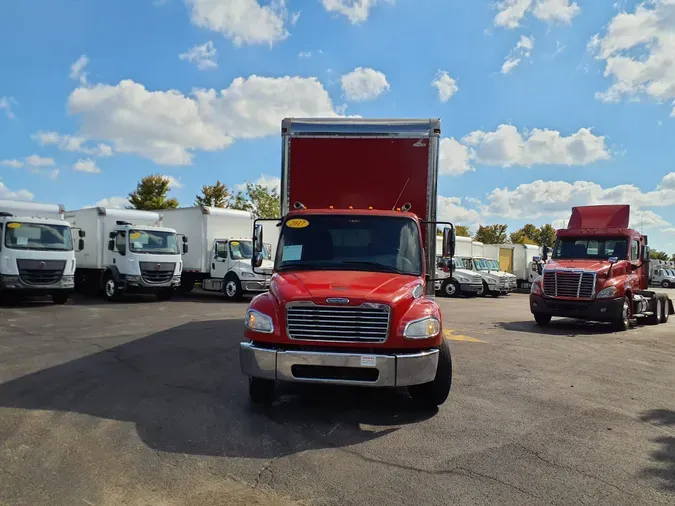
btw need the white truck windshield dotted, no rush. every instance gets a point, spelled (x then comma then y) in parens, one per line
(240, 250)
(38, 236)
(152, 241)
(486, 264)
(351, 242)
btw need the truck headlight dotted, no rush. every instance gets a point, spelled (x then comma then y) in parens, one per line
(246, 274)
(423, 328)
(259, 322)
(606, 293)
(133, 279)
(535, 289)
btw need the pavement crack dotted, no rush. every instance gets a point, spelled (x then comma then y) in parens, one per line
(573, 469)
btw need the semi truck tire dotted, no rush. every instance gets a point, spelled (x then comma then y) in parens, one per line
(261, 390)
(451, 288)
(542, 319)
(665, 283)
(622, 322)
(656, 309)
(59, 297)
(111, 290)
(435, 393)
(232, 287)
(665, 308)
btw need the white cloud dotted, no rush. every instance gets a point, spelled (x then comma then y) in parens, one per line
(512, 12)
(6, 105)
(356, 11)
(446, 85)
(523, 49)
(12, 163)
(309, 54)
(507, 147)
(242, 21)
(174, 183)
(71, 143)
(38, 161)
(6, 193)
(362, 84)
(87, 165)
(167, 126)
(454, 158)
(77, 70)
(54, 173)
(451, 209)
(556, 199)
(113, 203)
(638, 49)
(269, 182)
(204, 56)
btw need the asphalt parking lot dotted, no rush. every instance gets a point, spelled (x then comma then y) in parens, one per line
(142, 403)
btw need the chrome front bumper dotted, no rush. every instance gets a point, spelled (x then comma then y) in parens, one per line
(471, 287)
(256, 285)
(287, 365)
(14, 282)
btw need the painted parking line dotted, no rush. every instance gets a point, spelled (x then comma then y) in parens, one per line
(449, 334)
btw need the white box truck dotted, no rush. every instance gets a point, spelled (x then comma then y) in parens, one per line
(522, 260)
(37, 254)
(495, 282)
(128, 251)
(221, 250)
(461, 282)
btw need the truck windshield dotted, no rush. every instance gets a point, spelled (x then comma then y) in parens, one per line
(38, 236)
(351, 242)
(153, 241)
(486, 264)
(240, 250)
(596, 248)
(458, 263)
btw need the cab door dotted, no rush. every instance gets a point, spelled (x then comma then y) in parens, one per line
(220, 259)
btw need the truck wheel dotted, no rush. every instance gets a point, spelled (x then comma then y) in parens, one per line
(622, 323)
(542, 319)
(665, 283)
(665, 311)
(164, 294)
(484, 291)
(451, 288)
(656, 309)
(261, 390)
(110, 289)
(232, 287)
(59, 297)
(435, 393)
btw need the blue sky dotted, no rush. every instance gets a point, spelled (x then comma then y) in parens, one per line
(544, 103)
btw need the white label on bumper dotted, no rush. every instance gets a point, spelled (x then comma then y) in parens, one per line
(368, 361)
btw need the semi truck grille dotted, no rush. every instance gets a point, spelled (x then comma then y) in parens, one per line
(157, 272)
(40, 272)
(569, 284)
(363, 324)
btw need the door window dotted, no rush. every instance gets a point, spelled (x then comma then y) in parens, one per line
(120, 241)
(635, 250)
(221, 250)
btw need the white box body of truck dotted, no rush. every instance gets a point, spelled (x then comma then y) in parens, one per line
(37, 251)
(127, 251)
(519, 260)
(221, 249)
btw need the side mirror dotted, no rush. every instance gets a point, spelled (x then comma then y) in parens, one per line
(545, 251)
(185, 239)
(185, 248)
(111, 245)
(82, 233)
(449, 240)
(645, 253)
(80, 245)
(257, 257)
(112, 235)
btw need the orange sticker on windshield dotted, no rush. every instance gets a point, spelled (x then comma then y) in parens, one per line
(135, 235)
(235, 243)
(13, 225)
(297, 223)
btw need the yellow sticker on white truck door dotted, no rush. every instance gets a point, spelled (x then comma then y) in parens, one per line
(297, 223)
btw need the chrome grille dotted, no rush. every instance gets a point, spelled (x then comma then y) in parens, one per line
(365, 323)
(579, 285)
(157, 272)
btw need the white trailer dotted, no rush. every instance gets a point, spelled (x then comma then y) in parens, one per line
(221, 249)
(37, 254)
(128, 251)
(524, 261)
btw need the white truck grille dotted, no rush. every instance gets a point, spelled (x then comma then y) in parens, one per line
(368, 323)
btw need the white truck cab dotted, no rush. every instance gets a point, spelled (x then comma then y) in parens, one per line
(663, 276)
(232, 273)
(132, 253)
(495, 281)
(462, 281)
(37, 254)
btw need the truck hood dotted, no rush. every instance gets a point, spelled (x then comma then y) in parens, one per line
(598, 266)
(357, 286)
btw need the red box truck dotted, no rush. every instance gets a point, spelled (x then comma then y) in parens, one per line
(351, 299)
(599, 271)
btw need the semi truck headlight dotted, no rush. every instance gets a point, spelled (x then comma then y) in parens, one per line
(259, 322)
(422, 329)
(535, 289)
(608, 292)
(246, 274)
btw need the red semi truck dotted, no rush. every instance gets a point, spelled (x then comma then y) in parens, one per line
(351, 296)
(599, 271)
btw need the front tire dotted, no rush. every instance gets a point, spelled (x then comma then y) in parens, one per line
(111, 290)
(435, 393)
(451, 288)
(542, 319)
(665, 283)
(60, 298)
(232, 288)
(261, 390)
(622, 322)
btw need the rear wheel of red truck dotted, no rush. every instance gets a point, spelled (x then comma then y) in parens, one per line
(261, 390)
(431, 395)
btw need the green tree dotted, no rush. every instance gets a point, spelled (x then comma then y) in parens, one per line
(151, 194)
(462, 231)
(260, 200)
(547, 235)
(658, 255)
(491, 234)
(529, 234)
(672, 258)
(216, 195)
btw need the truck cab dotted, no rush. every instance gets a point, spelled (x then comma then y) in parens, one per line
(663, 276)
(599, 271)
(37, 251)
(234, 256)
(462, 281)
(495, 281)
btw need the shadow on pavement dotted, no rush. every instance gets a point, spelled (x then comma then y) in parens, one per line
(664, 457)
(184, 391)
(560, 327)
